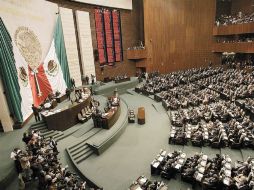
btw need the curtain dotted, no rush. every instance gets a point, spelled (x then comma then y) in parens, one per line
(61, 51)
(9, 74)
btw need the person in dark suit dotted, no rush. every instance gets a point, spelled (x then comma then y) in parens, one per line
(73, 83)
(68, 93)
(87, 79)
(36, 113)
(92, 77)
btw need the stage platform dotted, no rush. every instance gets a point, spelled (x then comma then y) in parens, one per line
(95, 141)
(108, 88)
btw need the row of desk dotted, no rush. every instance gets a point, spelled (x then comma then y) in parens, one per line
(107, 120)
(108, 79)
(64, 118)
(248, 109)
(122, 80)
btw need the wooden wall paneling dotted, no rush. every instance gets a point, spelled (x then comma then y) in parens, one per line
(180, 33)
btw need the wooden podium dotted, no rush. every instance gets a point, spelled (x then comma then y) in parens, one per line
(141, 115)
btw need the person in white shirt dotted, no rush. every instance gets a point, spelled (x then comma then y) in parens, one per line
(52, 144)
(14, 156)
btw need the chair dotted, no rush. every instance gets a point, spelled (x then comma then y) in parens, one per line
(131, 116)
(197, 141)
(180, 138)
(81, 118)
(86, 114)
(237, 145)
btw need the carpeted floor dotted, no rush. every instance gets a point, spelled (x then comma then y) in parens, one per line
(130, 156)
(133, 152)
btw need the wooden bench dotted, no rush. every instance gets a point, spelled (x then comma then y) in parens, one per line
(141, 115)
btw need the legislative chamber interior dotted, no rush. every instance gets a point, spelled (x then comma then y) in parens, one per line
(127, 94)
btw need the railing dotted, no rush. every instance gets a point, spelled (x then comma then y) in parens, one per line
(137, 54)
(233, 29)
(238, 47)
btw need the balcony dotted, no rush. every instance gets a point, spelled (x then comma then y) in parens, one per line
(136, 54)
(233, 29)
(238, 47)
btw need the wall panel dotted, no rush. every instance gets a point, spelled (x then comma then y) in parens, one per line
(71, 44)
(178, 34)
(86, 46)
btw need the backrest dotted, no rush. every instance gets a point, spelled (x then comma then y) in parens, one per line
(80, 116)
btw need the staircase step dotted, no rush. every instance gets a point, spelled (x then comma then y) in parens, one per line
(38, 127)
(65, 134)
(88, 135)
(43, 130)
(38, 123)
(46, 133)
(80, 150)
(81, 153)
(85, 156)
(52, 134)
(77, 147)
(59, 136)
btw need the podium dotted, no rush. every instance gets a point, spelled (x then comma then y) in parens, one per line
(141, 115)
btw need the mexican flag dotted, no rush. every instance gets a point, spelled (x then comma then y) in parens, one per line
(53, 71)
(24, 84)
(47, 78)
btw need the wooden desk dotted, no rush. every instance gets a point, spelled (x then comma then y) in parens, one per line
(143, 181)
(66, 117)
(123, 80)
(54, 104)
(141, 115)
(61, 98)
(107, 79)
(111, 118)
(49, 105)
